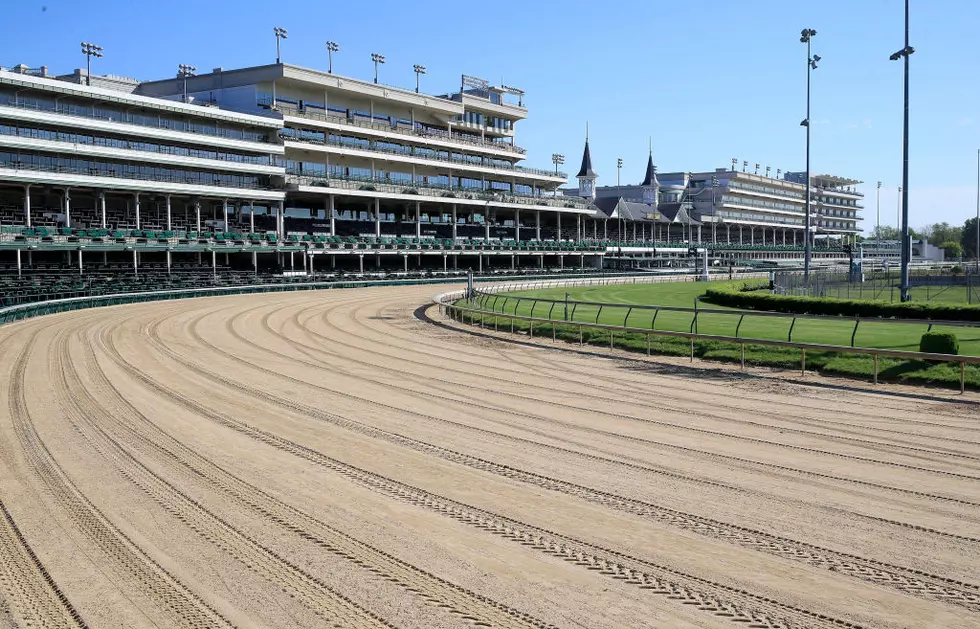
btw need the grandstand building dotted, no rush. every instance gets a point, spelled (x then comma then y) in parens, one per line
(727, 206)
(364, 159)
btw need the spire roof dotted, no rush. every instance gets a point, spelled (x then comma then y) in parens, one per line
(586, 169)
(651, 177)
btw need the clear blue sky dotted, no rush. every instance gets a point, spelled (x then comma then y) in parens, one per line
(709, 80)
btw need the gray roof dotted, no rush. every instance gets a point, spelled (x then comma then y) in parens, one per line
(586, 169)
(628, 210)
(651, 177)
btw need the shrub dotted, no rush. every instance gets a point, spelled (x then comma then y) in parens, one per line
(939, 343)
(840, 307)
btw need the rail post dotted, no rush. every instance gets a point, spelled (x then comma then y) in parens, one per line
(610, 339)
(648, 344)
(554, 335)
(876, 368)
(531, 328)
(692, 349)
(802, 361)
(743, 356)
(962, 377)
(580, 335)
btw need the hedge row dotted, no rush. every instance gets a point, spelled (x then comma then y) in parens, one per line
(759, 300)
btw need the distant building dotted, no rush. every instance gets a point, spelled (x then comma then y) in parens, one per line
(735, 207)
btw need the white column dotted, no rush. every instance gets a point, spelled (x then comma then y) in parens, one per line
(486, 218)
(280, 219)
(418, 219)
(578, 228)
(605, 229)
(169, 221)
(486, 227)
(18, 263)
(197, 214)
(361, 262)
(537, 224)
(136, 262)
(699, 234)
(68, 208)
(517, 225)
(558, 215)
(224, 208)
(80, 272)
(377, 217)
(214, 263)
(168, 262)
(251, 216)
(136, 198)
(27, 211)
(332, 210)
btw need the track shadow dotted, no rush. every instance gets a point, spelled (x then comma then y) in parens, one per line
(701, 370)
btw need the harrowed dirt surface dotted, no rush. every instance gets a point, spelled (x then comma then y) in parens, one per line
(350, 458)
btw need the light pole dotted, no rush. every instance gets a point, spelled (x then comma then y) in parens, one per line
(976, 251)
(878, 217)
(280, 35)
(90, 50)
(332, 47)
(419, 70)
(905, 53)
(376, 58)
(811, 64)
(557, 159)
(184, 71)
(622, 219)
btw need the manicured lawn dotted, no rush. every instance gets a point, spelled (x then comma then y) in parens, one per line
(877, 334)
(872, 334)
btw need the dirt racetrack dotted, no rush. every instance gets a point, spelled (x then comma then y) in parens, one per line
(337, 459)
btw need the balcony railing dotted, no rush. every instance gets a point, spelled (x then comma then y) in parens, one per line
(292, 110)
(114, 143)
(123, 174)
(440, 190)
(412, 152)
(142, 121)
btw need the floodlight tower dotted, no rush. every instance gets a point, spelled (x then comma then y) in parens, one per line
(184, 71)
(280, 35)
(90, 50)
(905, 53)
(376, 58)
(332, 47)
(811, 64)
(419, 70)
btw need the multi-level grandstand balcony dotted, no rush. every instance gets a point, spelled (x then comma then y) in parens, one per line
(56, 133)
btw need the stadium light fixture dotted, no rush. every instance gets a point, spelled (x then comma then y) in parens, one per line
(90, 50)
(905, 53)
(557, 159)
(419, 70)
(806, 35)
(332, 47)
(184, 71)
(280, 35)
(376, 58)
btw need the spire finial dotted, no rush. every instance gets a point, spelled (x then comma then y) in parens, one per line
(651, 146)
(586, 130)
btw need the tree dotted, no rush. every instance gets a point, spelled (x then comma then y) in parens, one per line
(941, 233)
(968, 238)
(884, 232)
(953, 249)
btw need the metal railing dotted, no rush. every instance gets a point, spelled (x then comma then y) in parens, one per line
(393, 186)
(437, 134)
(450, 304)
(410, 152)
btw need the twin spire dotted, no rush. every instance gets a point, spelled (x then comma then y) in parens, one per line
(587, 175)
